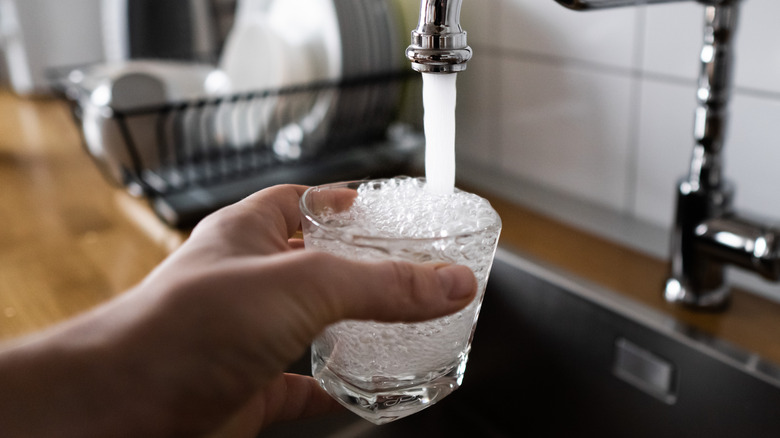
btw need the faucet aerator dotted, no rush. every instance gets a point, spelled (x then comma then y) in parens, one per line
(439, 43)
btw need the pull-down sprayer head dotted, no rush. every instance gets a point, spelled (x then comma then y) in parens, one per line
(439, 43)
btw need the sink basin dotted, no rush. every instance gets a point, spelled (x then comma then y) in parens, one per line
(555, 356)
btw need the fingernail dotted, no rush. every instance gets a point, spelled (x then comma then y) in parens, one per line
(457, 281)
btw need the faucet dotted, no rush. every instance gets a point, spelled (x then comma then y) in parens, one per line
(708, 235)
(439, 43)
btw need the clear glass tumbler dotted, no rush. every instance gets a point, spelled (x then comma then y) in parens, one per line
(386, 371)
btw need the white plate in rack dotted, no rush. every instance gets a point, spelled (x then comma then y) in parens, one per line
(276, 44)
(281, 43)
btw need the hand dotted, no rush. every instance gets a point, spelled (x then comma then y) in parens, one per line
(200, 346)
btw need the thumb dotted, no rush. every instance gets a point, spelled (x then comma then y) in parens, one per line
(389, 291)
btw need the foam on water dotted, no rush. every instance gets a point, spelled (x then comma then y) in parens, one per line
(406, 207)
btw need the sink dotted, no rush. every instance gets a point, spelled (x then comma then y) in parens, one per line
(556, 356)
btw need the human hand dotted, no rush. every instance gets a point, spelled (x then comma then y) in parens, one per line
(200, 346)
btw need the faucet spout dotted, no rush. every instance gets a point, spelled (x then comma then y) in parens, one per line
(439, 43)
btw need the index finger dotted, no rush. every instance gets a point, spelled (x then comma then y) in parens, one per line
(277, 206)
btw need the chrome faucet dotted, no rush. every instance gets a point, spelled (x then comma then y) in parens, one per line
(708, 234)
(439, 43)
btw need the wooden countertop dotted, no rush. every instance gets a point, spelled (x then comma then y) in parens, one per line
(750, 322)
(69, 240)
(65, 245)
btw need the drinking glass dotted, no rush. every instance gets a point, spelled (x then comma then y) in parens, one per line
(386, 371)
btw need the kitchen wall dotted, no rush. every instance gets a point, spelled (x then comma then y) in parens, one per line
(36, 35)
(597, 107)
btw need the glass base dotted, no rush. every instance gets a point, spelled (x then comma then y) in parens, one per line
(386, 405)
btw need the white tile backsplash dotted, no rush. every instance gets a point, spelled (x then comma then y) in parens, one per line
(478, 111)
(544, 27)
(664, 145)
(599, 105)
(566, 128)
(758, 55)
(752, 155)
(672, 39)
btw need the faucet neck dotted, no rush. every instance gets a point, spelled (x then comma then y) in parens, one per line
(440, 17)
(705, 213)
(713, 94)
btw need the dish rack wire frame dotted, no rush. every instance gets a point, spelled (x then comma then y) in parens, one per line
(184, 157)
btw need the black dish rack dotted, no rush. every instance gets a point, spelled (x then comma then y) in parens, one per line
(193, 157)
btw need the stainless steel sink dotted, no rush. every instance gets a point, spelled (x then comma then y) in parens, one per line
(555, 356)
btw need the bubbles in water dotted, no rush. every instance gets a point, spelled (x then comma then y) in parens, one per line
(432, 227)
(403, 208)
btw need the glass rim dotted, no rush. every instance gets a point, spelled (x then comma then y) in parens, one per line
(354, 184)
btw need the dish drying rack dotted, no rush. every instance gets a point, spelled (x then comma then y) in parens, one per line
(190, 158)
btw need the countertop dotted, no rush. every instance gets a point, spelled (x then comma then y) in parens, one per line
(69, 240)
(65, 242)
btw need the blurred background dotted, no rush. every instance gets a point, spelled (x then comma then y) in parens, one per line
(576, 126)
(599, 105)
(592, 108)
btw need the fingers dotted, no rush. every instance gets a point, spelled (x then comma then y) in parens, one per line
(384, 291)
(330, 199)
(296, 244)
(262, 223)
(288, 397)
(295, 396)
(278, 205)
(275, 208)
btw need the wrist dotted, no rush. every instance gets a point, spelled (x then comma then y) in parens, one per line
(71, 380)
